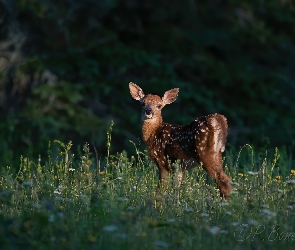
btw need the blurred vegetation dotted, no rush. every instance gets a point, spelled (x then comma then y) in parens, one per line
(65, 67)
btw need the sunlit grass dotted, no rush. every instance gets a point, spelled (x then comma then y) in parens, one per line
(80, 202)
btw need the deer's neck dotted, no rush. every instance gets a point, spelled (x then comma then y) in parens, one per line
(150, 127)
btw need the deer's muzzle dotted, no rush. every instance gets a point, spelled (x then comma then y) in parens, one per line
(148, 112)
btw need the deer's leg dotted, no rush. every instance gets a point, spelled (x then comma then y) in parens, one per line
(212, 163)
(177, 173)
(164, 176)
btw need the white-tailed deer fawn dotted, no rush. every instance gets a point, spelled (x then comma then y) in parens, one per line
(202, 141)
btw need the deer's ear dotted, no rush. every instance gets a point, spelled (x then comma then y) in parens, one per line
(135, 91)
(170, 96)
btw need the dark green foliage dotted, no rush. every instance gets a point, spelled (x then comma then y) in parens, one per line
(73, 69)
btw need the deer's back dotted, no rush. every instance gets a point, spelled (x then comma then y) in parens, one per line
(191, 141)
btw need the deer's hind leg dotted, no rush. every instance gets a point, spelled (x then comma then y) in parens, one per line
(210, 153)
(212, 163)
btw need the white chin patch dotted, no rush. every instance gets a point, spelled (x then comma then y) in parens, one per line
(146, 117)
(149, 116)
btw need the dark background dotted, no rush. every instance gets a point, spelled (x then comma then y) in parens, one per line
(65, 66)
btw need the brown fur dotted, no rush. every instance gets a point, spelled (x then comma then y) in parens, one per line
(202, 141)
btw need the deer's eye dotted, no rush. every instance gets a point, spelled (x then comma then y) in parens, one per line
(142, 104)
(159, 106)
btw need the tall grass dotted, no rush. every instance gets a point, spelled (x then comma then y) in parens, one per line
(81, 202)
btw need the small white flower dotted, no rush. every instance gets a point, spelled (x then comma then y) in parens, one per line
(38, 206)
(204, 214)
(214, 229)
(83, 196)
(57, 191)
(120, 235)
(60, 214)
(119, 178)
(159, 243)
(188, 210)
(58, 198)
(170, 220)
(223, 231)
(228, 213)
(290, 181)
(51, 218)
(253, 222)
(122, 199)
(252, 173)
(235, 224)
(68, 200)
(110, 228)
(268, 213)
(27, 183)
(130, 208)
(233, 183)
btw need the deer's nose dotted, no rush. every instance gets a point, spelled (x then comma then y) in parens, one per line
(148, 111)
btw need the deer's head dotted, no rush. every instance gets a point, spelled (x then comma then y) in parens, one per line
(152, 104)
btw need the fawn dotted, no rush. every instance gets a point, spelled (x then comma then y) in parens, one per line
(202, 141)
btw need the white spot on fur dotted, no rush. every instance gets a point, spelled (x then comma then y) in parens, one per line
(214, 122)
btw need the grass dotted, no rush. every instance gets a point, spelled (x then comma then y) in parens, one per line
(81, 202)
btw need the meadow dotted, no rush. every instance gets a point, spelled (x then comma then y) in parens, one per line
(85, 202)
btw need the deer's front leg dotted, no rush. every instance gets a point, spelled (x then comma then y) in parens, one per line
(164, 177)
(177, 175)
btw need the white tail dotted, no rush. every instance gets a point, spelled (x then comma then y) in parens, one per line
(202, 141)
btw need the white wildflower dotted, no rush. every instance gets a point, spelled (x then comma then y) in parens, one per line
(159, 243)
(214, 229)
(38, 206)
(170, 220)
(253, 222)
(252, 173)
(188, 210)
(120, 236)
(51, 218)
(110, 228)
(27, 183)
(122, 199)
(57, 191)
(83, 196)
(268, 213)
(233, 183)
